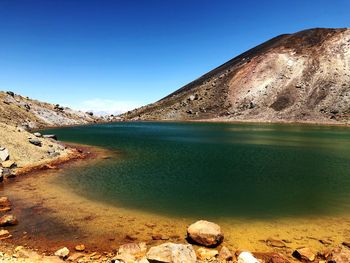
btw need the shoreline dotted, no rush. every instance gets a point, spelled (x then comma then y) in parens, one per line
(90, 153)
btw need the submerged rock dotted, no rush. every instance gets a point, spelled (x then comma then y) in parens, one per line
(4, 202)
(62, 253)
(170, 252)
(205, 233)
(246, 257)
(8, 220)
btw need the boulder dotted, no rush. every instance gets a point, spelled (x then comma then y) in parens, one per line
(35, 141)
(225, 255)
(304, 253)
(170, 252)
(8, 220)
(4, 154)
(10, 93)
(62, 253)
(9, 164)
(37, 134)
(246, 257)
(205, 233)
(131, 251)
(207, 254)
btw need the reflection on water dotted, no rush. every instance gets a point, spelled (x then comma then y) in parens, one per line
(216, 170)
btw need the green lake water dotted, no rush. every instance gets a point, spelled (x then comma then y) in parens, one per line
(213, 170)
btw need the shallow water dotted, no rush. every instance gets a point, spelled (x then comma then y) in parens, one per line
(211, 170)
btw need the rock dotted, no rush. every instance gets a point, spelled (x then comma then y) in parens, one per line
(271, 257)
(170, 252)
(159, 237)
(12, 94)
(304, 254)
(8, 220)
(75, 257)
(4, 232)
(4, 154)
(225, 254)
(205, 233)
(131, 251)
(206, 253)
(191, 98)
(36, 142)
(62, 253)
(246, 257)
(4, 202)
(37, 134)
(7, 173)
(275, 243)
(90, 113)
(1, 175)
(80, 247)
(340, 255)
(50, 136)
(9, 164)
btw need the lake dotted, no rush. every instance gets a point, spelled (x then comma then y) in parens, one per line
(215, 170)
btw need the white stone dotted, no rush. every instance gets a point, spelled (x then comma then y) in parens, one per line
(246, 257)
(4, 154)
(62, 253)
(174, 253)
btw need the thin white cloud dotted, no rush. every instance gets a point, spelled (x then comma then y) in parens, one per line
(107, 106)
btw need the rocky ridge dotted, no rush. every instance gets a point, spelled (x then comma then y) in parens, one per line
(300, 77)
(27, 113)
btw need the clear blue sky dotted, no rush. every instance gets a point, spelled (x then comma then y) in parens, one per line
(121, 54)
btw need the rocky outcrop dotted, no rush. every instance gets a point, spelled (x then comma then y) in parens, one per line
(27, 113)
(293, 77)
(205, 233)
(172, 253)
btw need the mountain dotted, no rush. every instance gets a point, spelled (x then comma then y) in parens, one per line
(16, 110)
(297, 77)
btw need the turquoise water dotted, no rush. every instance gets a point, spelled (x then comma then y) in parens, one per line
(216, 170)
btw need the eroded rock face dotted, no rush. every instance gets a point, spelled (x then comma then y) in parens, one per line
(8, 220)
(205, 233)
(170, 252)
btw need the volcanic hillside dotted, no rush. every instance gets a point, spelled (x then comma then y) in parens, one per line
(294, 77)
